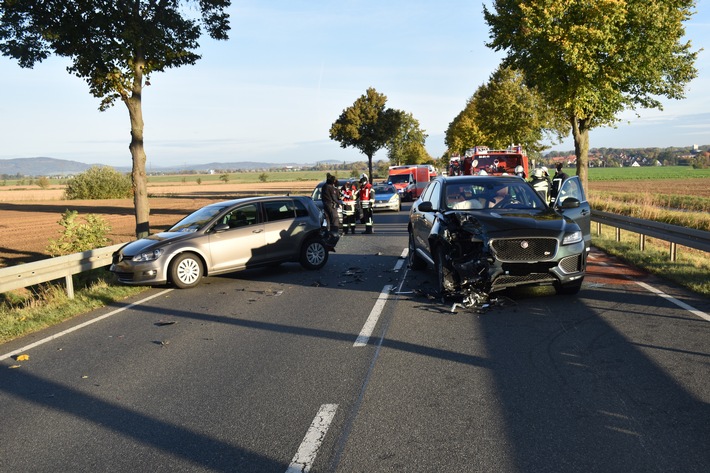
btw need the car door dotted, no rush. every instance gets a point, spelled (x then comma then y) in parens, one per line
(240, 245)
(582, 215)
(283, 230)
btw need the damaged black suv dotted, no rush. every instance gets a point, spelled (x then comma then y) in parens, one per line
(487, 233)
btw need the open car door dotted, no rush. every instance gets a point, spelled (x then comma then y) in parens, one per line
(571, 188)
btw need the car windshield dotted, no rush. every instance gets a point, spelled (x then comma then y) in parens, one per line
(196, 220)
(399, 179)
(492, 195)
(385, 190)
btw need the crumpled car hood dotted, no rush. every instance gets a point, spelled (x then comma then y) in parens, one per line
(510, 222)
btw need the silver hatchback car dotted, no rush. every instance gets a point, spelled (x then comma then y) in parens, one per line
(226, 237)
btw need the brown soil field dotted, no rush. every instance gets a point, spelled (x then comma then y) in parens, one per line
(696, 187)
(28, 217)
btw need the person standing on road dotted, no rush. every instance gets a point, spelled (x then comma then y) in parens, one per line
(366, 201)
(349, 197)
(329, 197)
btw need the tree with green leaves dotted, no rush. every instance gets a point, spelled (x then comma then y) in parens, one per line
(503, 112)
(367, 125)
(592, 60)
(115, 47)
(407, 144)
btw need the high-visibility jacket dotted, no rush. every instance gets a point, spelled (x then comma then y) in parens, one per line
(366, 196)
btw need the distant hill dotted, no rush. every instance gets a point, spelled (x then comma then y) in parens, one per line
(32, 167)
(41, 167)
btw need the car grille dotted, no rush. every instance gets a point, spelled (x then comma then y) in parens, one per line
(534, 278)
(524, 249)
(571, 264)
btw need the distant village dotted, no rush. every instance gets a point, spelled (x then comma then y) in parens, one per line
(698, 156)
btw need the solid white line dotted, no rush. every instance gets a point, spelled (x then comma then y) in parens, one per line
(88, 322)
(677, 302)
(306, 454)
(369, 326)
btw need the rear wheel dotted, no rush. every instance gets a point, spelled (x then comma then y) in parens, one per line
(314, 254)
(186, 270)
(416, 262)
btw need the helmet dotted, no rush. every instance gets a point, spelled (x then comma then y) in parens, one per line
(537, 173)
(519, 169)
(482, 173)
(363, 178)
(544, 170)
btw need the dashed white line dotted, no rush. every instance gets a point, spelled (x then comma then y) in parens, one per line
(371, 322)
(88, 322)
(306, 454)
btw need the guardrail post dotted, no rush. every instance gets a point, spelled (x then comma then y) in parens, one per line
(618, 234)
(70, 286)
(674, 251)
(642, 241)
(599, 229)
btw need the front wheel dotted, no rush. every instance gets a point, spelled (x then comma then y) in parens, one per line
(444, 275)
(314, 254)
(186, 271)
(416, 262)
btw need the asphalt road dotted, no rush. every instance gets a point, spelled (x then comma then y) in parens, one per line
(358, 368)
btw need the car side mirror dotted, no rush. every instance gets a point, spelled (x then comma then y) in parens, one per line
(426, 207)
(221, 227)
(570, 203)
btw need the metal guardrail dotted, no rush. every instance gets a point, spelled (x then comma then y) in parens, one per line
(29, 274)
(673, 234)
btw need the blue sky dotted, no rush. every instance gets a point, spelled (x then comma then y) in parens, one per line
(271, 92)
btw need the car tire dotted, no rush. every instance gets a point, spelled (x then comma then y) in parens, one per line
(186, 270)
(314, 254)
(444, 275)
(416, 262)
(568, 289)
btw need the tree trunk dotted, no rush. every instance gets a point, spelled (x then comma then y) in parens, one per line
(369, 162)
(580, 133)
(138, 176)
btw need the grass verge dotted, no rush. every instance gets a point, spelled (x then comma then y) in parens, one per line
(25, 312)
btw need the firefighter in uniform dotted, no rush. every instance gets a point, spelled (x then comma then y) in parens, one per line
(366, 201)
(349, 198)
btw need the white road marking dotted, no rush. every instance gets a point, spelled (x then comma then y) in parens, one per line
(306, 454)
(402, 260)
(369, 326)
(672, 299)
(88, 322)
(677, 302)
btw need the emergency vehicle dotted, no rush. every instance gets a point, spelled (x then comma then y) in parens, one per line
(496, 161)
(410, 180)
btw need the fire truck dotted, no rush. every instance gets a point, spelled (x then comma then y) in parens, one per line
(410, 180)
(495, 161)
